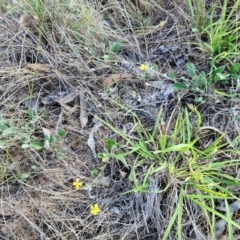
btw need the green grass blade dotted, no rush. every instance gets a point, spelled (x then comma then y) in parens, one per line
(180, 212)
(173, 218)
(215, 212)
(229, 215)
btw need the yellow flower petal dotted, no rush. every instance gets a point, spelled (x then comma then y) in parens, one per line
(94, 209)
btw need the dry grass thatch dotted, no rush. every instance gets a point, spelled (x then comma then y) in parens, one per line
(58, 48)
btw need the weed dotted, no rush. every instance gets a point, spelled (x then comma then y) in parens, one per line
(195, 81)
(200, 82)
(12, 135)
(113, 50)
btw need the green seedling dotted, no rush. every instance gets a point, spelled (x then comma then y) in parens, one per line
(115, 47)
(52, 142)
(94, 172)
(195, 81)
(113, 50)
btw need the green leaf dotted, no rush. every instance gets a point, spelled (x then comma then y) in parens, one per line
(148, 76)
(94, 172)
(223, 76)
(229, 215)
(60, 155)
(223, 93)
(122, 159)
(104, 156)
(131, 176)
(209, 209)
(179, 86)
(155, 67)
(191, 69)
(61, 132)
(110, 144)
(33, 167)
(236, 76)
(115, 47)
(31, 114)
(10, 131)
(172, 75)
(219, 70)
(182, 147)
(234, 68)
(107, 57)
(25, 145)
(47, 137)
(3, 125)
(177, 213)
(3, 143)
(54, 138)
(24, 176)
(37, 145)
(26, 138)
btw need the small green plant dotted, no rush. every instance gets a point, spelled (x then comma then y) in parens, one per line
(224, 74)
(195, 81)
(11, 135)
(114, 48)
(94, 172)
(201, 81)
(24, 135)
(52, 142)
(149, 70)
(180, 152)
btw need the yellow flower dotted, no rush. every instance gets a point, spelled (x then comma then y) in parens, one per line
(94, 209)
(143, 67)
(77, 184)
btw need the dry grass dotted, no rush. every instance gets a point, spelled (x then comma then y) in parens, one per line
(69, 42)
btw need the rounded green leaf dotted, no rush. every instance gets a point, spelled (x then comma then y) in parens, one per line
(37, 145)
(61, 132)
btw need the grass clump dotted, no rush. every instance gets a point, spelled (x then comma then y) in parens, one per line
(178, 152)
(217, 24)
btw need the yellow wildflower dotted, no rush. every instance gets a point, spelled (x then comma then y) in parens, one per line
(94, 209)
(77, 183)
(143, 67)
